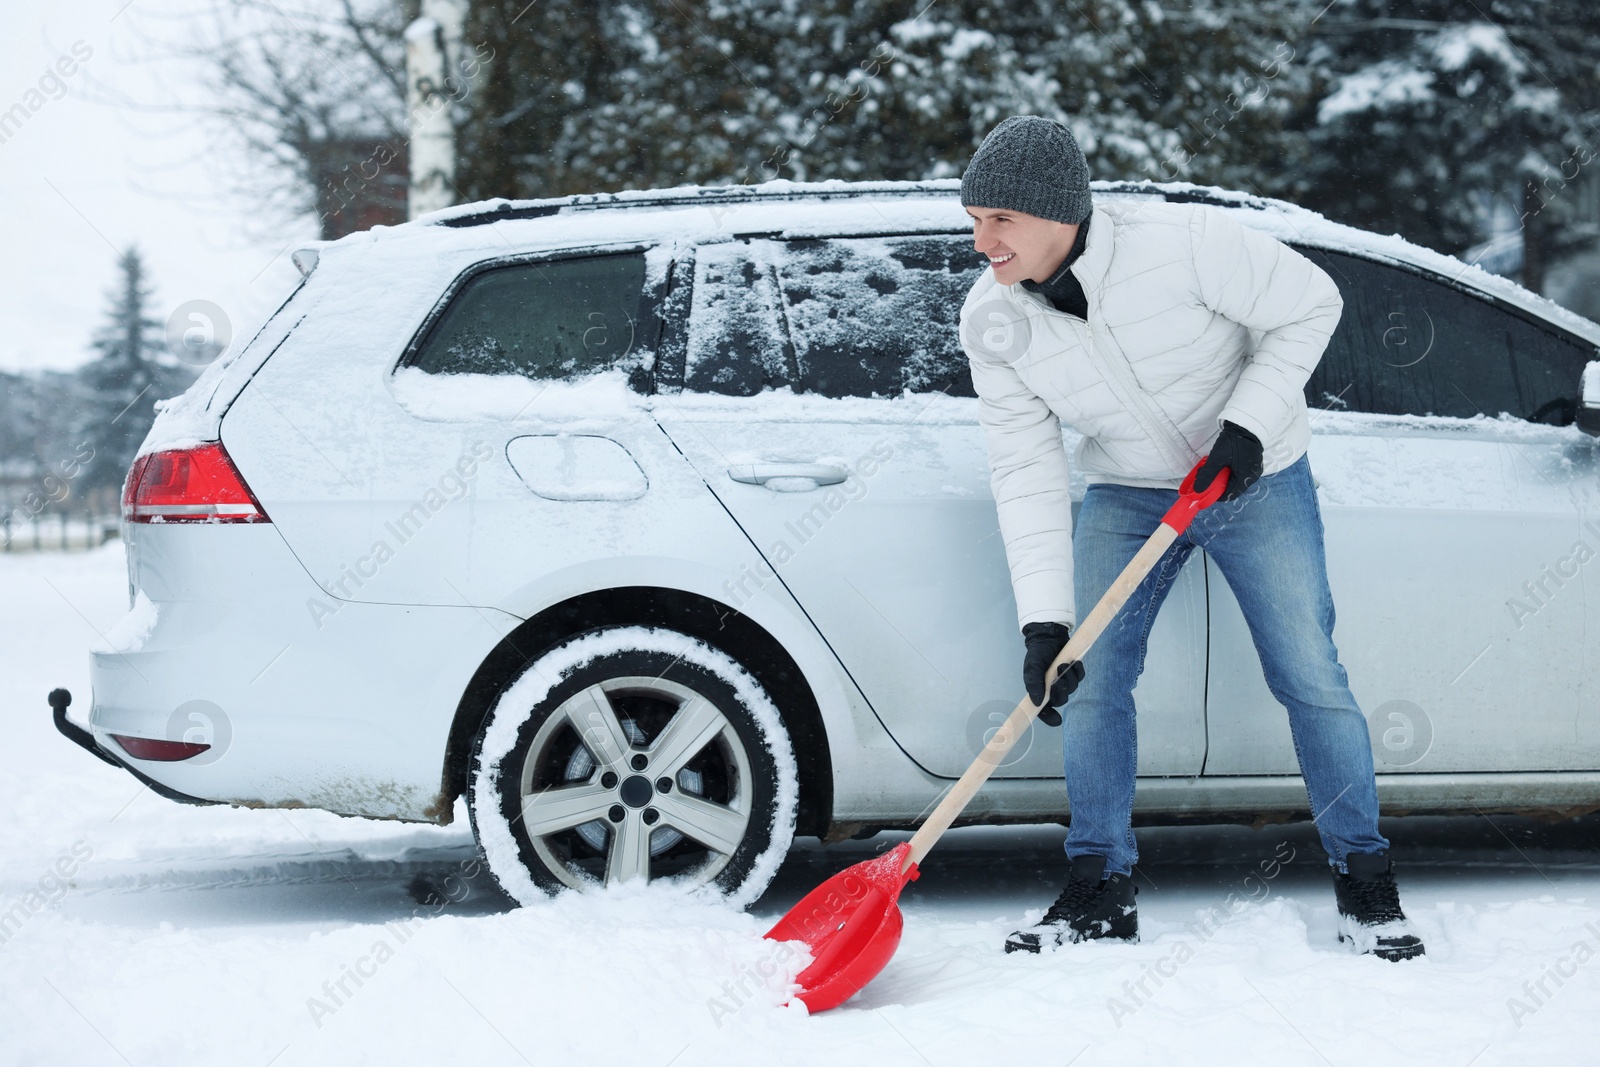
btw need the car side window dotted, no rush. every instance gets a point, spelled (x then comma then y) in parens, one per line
(1408, 344)
(833, 317)
(879, 316)
(736, 343)
(549, 319)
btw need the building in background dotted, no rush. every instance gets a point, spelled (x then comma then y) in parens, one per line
(361, 183)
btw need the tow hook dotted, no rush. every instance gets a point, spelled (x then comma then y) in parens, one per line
(60, 700)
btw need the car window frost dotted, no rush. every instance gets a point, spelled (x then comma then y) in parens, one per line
(737, 345)
(878, 316)
(833, 317)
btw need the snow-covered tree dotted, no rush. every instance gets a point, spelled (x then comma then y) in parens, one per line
(1428, 111)
(610, 95)
(1413, 116)
(1169, 92)
(121, 384)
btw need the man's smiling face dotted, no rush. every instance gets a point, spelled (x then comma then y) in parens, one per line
(1020, 245)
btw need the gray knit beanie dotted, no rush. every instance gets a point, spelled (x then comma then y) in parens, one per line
(1029, 164)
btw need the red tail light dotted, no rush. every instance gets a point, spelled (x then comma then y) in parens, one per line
(155, 751)
(198, 484)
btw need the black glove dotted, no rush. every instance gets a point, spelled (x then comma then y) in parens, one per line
(1240, 451)
(1045, 640)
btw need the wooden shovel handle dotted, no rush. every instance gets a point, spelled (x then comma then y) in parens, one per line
(1175, 521)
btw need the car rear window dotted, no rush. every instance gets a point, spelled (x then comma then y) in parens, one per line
(834, 317)
(550, 319)
(1408, 344)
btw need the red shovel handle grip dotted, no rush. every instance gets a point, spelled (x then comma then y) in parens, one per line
(1191, 503)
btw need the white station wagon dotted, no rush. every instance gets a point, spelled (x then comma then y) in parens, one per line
(658, 525)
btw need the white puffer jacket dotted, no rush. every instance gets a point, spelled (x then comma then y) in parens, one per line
(1193, 320)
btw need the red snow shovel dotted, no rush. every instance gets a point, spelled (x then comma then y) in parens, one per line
(852, 921)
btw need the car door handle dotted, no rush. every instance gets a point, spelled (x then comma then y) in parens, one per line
(760, 473)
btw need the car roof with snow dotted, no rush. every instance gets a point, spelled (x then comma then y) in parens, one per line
(690, 214)
(668, 220)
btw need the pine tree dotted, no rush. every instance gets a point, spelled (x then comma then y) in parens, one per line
(122, 384)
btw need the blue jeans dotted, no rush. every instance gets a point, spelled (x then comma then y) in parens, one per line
(1268, 544)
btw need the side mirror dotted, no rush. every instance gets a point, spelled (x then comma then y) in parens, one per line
(1589, 399)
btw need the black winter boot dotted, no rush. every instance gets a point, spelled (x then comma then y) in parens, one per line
(1089, 907)
(1369, 909)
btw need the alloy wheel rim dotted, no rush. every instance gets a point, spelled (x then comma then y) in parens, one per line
(635, 777)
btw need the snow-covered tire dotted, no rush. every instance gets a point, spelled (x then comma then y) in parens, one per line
(566, 785)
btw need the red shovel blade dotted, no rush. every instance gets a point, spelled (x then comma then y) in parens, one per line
(852, 924)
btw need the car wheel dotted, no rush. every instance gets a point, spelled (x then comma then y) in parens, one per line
(631, 754)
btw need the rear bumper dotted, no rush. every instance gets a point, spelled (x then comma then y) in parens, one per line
(305, 700)
(60, 700)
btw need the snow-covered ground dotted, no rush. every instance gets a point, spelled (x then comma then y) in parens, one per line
(138, 931)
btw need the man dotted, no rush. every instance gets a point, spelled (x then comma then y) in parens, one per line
(1162, 333)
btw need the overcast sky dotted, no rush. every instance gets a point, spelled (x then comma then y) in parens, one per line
(81, 179)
